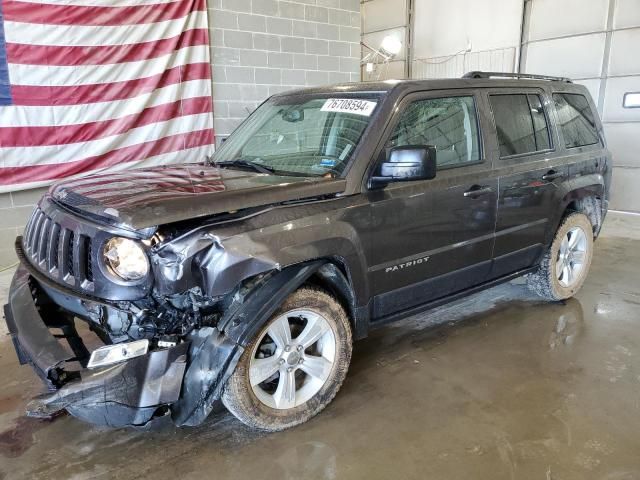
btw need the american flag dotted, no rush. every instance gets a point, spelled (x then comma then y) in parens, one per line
(101, 85)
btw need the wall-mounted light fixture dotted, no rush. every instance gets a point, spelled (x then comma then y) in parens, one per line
(391, 45)
(376, 62)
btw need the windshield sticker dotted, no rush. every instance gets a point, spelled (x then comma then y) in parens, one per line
(349, 105)
(325, 165)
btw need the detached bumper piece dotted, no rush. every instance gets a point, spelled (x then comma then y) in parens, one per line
(123, 394)
(31, 336)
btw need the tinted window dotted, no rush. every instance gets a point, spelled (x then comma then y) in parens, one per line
(449, 124)
(540, 128)
(521, 124)
(576, 119)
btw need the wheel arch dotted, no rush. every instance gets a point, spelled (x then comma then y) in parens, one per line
(335, 277)
(591, 206)
(584, 195)
(214, 352)
(244, 318)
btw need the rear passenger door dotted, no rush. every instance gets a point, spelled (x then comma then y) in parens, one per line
(529, 175)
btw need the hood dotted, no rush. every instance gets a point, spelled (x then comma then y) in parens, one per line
(138, 199)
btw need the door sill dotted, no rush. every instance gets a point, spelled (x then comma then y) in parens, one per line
(423, 307)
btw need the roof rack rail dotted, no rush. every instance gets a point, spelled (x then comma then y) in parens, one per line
(479, 74)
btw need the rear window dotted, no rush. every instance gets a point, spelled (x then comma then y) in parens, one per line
(521, 123)
(576, 118)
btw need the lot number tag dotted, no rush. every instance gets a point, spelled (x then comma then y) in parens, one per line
(349, 105)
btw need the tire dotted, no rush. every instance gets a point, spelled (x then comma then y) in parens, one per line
(552, 281)
(265, 405)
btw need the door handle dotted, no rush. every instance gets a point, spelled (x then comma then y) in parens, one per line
(477, 191)
(552, 175)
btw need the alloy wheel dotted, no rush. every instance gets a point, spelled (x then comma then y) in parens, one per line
(293, 359)
(571, 257)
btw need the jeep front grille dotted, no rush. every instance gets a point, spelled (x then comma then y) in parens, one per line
(59, 252)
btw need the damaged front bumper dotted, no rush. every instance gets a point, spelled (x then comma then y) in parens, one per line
(127, 393)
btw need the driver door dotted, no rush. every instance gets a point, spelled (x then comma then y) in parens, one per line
(432, 238)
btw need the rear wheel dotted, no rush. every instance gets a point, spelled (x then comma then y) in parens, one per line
(295, 365)
(564, 267)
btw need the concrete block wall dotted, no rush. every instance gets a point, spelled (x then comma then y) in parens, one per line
(263, 47)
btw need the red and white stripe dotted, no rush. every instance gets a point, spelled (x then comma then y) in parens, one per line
(103, 85)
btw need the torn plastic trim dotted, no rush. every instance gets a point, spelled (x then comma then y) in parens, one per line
(213, 358)
(128, 393)
(244, 318)
(31, 337)
(215, 352)
(94, 310)
(124, 394)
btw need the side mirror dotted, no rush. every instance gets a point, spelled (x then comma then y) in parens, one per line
(405, 164)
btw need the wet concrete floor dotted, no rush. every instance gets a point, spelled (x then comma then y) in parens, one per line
(498, 386)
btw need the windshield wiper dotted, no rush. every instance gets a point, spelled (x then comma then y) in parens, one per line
(239, 162)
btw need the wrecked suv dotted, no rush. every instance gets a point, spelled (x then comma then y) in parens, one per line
(330, 211)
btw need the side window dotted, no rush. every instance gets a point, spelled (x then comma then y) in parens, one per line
(449, 124)
(521, 123)
(576, 119)
(540, 128)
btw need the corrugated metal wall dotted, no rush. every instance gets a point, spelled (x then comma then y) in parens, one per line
(453, 37)
(379, 19)
(596, 43)
(453, 66)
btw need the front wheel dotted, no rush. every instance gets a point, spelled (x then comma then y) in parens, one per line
(295, 365)
(564, 267)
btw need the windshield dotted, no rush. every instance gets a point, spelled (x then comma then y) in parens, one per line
(300, 136)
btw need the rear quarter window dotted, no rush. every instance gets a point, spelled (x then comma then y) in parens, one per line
(521, 123)
(576, 120)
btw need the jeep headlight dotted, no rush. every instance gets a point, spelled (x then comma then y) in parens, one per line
(126, 258)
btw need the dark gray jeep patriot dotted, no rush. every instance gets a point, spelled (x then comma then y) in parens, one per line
(154, 293)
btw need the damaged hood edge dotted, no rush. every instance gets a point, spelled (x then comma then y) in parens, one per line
(149, 202)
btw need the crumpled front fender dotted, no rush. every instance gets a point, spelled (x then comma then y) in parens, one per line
(206, 261)
(215, 352)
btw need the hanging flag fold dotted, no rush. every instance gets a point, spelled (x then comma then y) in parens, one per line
(101, 85)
